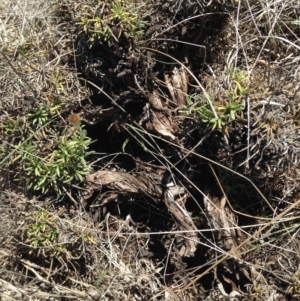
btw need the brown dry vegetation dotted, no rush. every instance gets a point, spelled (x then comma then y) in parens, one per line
(149, 150)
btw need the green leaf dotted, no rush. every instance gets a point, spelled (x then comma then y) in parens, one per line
(42, 181)
(36, 171)
(57, 171)
(124, 145)
(232, 115)
(79, 176)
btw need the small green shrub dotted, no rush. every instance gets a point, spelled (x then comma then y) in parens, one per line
(115, 19)
(42, 234)
(65, 165)
(225, 111)
(47, 155)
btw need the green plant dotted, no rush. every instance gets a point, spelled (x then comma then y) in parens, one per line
(96, 28)
(42, 233)
(46, 158)
(39, 116)
(240, 82)
(12, 127)
(224, 111)
(125, 144)
(57, 80)
(100, 279)
(231, 108)
(23, 51)
(42, 114)
(119, 18)
(127, 18)
(207, 116)
(66, 163)
(88, 238)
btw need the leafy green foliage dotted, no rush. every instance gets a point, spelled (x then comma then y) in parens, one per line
(39, 116)
(99, 281)
(46, 157)
(240, 81)
(127, 18)
(42, 233)
(226, 111)
(118, 18)
(96, 28)
(65, 165)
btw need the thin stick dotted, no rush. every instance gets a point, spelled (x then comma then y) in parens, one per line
(101, 90)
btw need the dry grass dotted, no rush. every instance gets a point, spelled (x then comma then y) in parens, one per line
(54, 250)
(34, 50)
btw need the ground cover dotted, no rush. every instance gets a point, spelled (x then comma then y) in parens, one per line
(149, 150)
